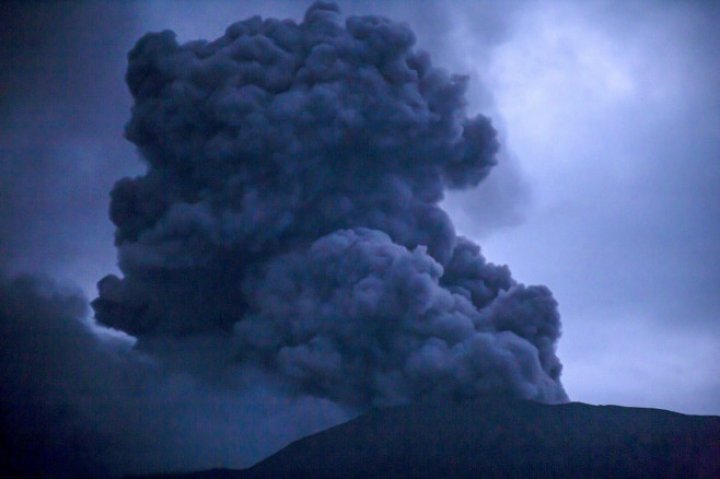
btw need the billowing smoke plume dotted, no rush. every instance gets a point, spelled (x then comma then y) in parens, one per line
(290, 209)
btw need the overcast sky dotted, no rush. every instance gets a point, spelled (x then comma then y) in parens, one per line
(607, 191)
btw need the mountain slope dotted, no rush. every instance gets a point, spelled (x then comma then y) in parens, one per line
(501, 439)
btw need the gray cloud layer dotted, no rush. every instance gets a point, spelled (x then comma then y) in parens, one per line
(614, 114)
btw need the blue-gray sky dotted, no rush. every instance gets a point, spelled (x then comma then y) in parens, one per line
(609, 120)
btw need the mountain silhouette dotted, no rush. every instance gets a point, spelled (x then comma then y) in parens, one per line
(499, 439)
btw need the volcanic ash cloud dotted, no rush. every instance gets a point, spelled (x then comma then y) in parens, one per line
(290, 212)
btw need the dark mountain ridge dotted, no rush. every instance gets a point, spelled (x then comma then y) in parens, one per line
(500, 439)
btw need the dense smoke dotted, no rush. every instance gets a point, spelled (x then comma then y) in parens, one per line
(77, 404)
(45, 360)
(290, 213)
